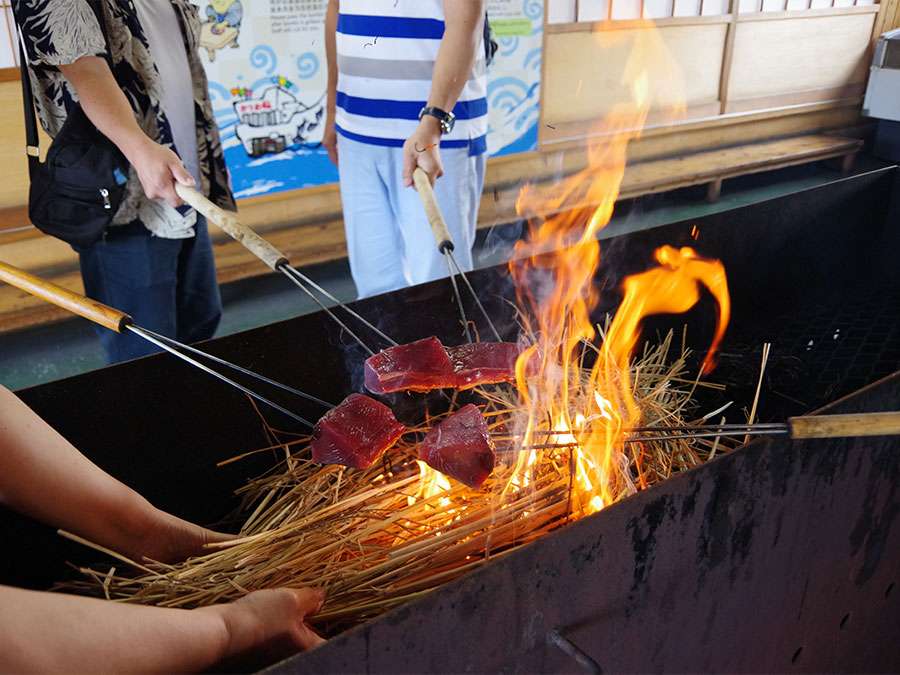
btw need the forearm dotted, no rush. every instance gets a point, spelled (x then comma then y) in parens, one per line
(331, 19)
(158, 167)
(106, 106)
(43, 476)
(53, 632)
(463, 25)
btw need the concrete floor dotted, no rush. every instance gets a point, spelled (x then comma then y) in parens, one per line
(37, 355)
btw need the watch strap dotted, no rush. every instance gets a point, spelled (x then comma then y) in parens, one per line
(445, 118)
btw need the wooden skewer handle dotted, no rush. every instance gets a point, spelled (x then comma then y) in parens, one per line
(62, 297)
(838, 426)
(435, 219)
(235, 228)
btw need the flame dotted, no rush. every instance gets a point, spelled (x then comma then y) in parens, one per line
(554, 270)
(431, 483)
(576, 395)
(673, 287)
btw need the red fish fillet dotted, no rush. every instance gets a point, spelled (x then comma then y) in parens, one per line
(421, 366)
(483, 363)
(355, 432)
(460, 447)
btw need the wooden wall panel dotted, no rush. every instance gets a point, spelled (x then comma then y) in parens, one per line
(585, 69)
(14, 168)
(888, 18)
(797, 59)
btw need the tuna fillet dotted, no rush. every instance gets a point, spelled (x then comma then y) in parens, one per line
(484, 363)
(421, 366)
(460, 447)
(354, 433)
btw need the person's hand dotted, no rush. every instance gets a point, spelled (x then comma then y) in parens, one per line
(167, 538)
(158, 168)
(423, 149)
(267, 626)
(329, 141)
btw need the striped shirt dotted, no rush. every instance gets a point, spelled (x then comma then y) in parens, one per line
(385, 54)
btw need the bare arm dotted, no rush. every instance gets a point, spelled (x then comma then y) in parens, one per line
(463, 25)
(43, 476)
(52, 632)
(329, 140)
(106, 106)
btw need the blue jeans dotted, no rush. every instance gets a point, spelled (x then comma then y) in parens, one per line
(168, 286)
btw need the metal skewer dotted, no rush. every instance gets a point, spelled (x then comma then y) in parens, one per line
(803, 427)
(162, 338)
(445, 246)
(274, 258)
(120, 322)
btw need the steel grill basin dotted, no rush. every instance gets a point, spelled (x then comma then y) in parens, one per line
(781, 556)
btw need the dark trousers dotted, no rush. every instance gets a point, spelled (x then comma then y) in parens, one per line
(168, 286)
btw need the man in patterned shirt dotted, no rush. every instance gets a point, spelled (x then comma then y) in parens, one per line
(156, 261)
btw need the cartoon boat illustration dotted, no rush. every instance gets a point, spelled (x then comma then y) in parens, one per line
(277, 120)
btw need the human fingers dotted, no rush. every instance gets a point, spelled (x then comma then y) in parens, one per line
(329, 141)
(430, 162)
(410, 162)
(158, 168)
(308, 602)
(167, 538)
(269, 625)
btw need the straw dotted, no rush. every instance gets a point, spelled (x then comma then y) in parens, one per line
(372, 540)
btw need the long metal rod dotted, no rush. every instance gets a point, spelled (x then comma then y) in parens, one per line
(474, 295)
(159, 343)
(663, 437)
(299, 276)
(286, 270)
(448, 254)
(250, 373)
(736, 428)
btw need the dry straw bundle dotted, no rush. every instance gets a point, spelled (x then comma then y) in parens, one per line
(375, 538)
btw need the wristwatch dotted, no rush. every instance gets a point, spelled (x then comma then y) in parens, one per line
(445, 118)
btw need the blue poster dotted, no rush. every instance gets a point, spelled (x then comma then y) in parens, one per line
(268, 77)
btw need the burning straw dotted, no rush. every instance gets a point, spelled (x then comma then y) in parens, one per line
(375, 538)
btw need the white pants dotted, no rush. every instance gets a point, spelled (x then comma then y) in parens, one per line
(389, 240)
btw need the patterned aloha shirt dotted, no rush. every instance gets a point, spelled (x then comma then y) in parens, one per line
(62, 31)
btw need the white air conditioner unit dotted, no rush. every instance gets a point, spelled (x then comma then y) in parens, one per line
(883, 91)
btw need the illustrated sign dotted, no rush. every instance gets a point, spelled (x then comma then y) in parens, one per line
(268, 78)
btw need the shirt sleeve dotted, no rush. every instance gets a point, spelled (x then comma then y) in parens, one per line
(58, 32)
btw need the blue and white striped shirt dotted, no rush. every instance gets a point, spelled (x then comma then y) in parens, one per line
(385, 53)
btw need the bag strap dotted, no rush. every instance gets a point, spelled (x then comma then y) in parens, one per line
(32, 147)
(32, 142)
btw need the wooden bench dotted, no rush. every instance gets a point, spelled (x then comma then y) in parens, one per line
(319, 235)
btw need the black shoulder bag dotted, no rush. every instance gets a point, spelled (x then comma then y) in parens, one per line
(75, 193)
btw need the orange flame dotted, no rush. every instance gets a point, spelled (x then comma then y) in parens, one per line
(430, 484)
(554, 271)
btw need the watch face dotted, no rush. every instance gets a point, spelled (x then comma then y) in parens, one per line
(448, 122)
